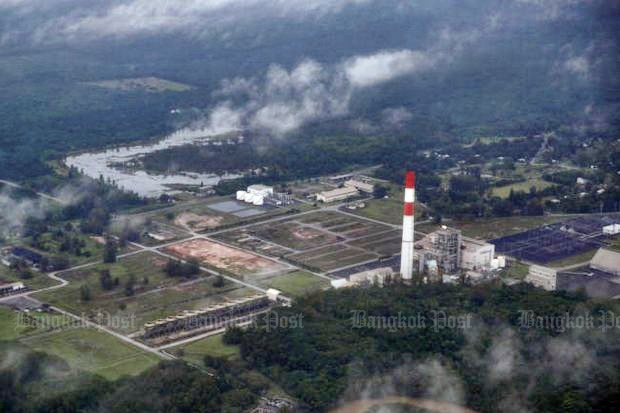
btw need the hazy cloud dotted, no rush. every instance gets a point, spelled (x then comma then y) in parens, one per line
(363, 71)
(121, 18)
(284, 100)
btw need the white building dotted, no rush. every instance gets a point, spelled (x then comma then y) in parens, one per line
(337, 194)
(612, 229)
(476, 254)
(360, 185)
(607, 261)
(261, 190)
(543, 277)
(377, 275)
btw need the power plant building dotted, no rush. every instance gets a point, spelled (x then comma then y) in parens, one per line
(477, 255)
(440, 251)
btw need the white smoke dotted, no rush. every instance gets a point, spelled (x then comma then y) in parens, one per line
(15, 212)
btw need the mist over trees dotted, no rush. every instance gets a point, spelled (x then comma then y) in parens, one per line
(440, 69)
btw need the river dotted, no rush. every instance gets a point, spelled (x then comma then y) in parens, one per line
(99, 163)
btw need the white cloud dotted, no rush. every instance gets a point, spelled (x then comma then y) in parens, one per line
(122, 18)
(286, 100)
(363, 71)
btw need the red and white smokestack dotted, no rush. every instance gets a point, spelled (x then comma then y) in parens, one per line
(406, 255)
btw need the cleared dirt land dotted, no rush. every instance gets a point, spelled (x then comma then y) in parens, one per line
(222, 257)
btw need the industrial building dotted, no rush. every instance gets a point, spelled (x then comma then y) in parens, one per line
(338, 194)
(439, 252)
(600, 279)
(362, 186)
(210, 318)
(260, 190)
(12, 288)
(477, 255)
(442, 252)
(542, 277)
(11, 255)
(259, 195)
(613, 229)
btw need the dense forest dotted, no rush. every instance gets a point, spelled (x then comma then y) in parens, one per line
(27, 384)
(491, 362)
(520, 76)
(494, 365)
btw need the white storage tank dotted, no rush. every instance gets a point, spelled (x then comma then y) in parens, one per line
(241, 195)
(258, 200)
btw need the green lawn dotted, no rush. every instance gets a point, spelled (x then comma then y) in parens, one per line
(10, 329)
(388, 210)
(212, 346)
(516, 270)
(93, 351)
(504, 191)
(298, 283)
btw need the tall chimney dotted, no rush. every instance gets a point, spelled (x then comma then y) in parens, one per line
(406, 255)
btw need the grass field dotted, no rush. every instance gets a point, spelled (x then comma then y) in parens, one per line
(298, 283)
(9, 328)
(516, 270)
(210, 346)
(162, 296)
(504, 191)
(389, 209)
(490, 228)
(93, 351)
